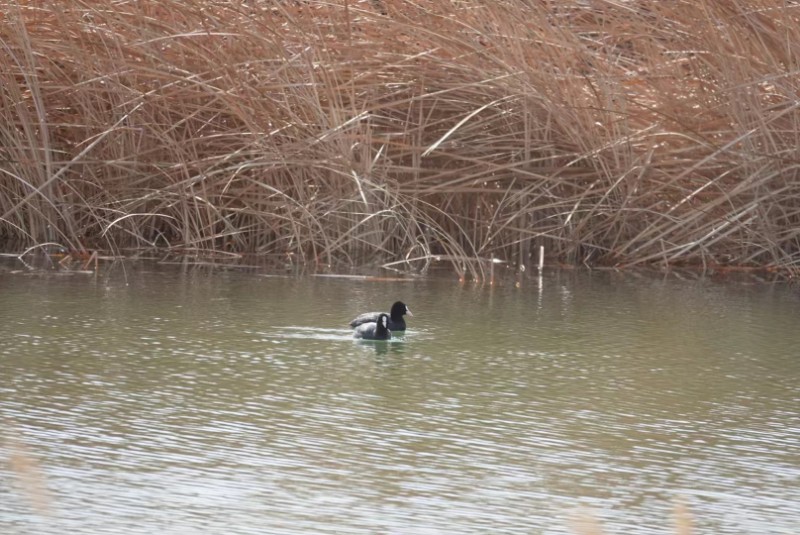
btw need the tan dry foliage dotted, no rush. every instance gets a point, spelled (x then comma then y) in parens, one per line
(30, 478)
(357, 131)
(584, 522)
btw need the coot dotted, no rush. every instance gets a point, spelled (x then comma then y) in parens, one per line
(377, 330)
(396, 321)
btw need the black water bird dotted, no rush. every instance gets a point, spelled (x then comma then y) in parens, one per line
(376, 330)
(396, 321)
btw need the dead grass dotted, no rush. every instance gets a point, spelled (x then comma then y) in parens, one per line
(361, 132)
(29, 478)
(585, 522)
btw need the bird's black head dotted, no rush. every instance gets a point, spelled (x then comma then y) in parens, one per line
(400, 309)
(383, 323)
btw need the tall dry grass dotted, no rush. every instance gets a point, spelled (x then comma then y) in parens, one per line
(350, 132)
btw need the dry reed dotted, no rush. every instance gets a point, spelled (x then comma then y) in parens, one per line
(28, 474)
(354, 132)
(585, 522)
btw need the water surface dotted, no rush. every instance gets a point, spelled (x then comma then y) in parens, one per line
(161, 400)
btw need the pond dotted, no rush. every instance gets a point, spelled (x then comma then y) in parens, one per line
(174, 400)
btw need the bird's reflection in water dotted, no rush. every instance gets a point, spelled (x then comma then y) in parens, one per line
(389, 348)
(395, 346)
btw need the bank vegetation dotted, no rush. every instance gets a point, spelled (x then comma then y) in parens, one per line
(385, 132)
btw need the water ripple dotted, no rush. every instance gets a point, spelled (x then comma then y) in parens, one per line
(185, 406)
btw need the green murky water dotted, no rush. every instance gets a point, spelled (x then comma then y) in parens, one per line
(165, 401)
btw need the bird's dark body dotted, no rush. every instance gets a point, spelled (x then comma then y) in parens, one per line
(376, 330)
(396, 320)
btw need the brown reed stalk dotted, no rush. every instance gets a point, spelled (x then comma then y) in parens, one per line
(584, 522)
(29, 477)
(344, 133)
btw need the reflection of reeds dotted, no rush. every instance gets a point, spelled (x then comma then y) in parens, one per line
(611, 133)
(28, 474)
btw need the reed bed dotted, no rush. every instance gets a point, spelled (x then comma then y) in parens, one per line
(347, 132)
